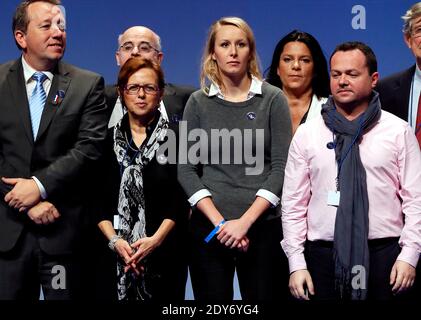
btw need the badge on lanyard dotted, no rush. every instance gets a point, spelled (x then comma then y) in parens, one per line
(333, 198)
(116, 223)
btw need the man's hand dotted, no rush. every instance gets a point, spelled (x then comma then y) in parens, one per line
(298, 282)
(43, 213)
(402, 276)
(25, 193)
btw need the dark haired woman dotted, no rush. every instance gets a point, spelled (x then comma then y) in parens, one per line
(299, 68)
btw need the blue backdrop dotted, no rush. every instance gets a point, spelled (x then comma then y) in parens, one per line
(93, 27)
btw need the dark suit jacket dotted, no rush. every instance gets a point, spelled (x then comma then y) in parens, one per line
(394, 92)
(70, 138)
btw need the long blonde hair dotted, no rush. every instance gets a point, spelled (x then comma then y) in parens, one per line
(210, 70)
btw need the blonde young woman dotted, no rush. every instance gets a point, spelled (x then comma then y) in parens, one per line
(230, 195)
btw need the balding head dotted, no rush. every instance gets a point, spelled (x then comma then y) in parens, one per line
(140, 37)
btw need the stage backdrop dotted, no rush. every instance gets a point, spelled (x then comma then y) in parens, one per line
(93, 27)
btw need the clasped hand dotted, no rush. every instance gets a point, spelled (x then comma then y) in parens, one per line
(24, 195)
(233, 234)
(133, 254)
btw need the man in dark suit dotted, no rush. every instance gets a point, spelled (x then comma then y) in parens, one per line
(139, 41)
(52, 126)
(400, 92)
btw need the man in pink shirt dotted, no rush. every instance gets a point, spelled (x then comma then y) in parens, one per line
(351, 203)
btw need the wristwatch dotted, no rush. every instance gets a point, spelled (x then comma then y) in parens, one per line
(113, 240)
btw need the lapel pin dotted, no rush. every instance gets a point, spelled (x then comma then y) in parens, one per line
(251, 115)
(58, 97)
(175, 118)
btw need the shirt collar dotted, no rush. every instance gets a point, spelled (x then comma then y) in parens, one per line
(28, 71)
(256, 85)
(417, 74)
(255, 88)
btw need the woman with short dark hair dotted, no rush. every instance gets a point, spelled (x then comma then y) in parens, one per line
(141, 191)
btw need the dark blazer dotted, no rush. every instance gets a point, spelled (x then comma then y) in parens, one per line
(70, 138)
(394, 92)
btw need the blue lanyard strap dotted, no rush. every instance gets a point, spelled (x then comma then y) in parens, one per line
(354, 139)
(131, 159)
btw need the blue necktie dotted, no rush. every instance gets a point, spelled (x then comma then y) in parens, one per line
(37, 101)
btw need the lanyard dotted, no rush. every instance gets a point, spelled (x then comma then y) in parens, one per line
(131, 159)
(341, 161)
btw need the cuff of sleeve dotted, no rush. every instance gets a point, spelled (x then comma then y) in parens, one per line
(199, 195)
(409, 255)
(297, 262)
(269, 196)
(40, 187)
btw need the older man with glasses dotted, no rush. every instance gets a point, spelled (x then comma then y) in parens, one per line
(139, 41)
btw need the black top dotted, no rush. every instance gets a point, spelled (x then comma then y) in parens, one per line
(164, 198)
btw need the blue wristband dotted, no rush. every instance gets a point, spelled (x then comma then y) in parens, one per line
(214, 231)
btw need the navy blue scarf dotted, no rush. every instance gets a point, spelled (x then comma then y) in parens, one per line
(351, 225)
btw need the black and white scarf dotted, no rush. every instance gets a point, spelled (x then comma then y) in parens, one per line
(131, 201)
(351, 225)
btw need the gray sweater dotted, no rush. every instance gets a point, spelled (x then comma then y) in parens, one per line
(251, 155)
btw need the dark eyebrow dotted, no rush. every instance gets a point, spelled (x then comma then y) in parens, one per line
(46, 21)
(345, 71)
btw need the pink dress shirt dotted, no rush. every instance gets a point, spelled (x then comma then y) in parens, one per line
(392, 160)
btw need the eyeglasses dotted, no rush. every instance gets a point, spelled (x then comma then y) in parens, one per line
(416, 32)
(133, 89)
(143, 47)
